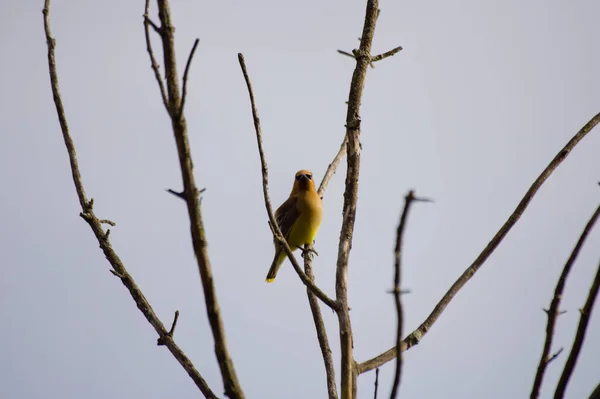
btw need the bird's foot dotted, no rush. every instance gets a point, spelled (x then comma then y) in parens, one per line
(308, 250)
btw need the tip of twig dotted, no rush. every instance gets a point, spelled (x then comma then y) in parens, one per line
(181, 194)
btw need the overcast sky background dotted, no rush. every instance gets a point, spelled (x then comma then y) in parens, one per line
(482, 97)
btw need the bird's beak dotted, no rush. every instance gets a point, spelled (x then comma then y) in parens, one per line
(303, 177)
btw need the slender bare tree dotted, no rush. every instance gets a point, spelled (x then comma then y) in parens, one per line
(173, 94)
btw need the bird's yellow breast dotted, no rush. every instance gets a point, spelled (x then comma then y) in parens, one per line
(306, 227)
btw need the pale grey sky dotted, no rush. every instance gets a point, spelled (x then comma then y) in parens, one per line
(481, 98)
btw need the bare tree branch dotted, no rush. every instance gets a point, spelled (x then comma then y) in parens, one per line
(153, 63)
(585, 314)
(410, 197)
(190, 191)
(332, 167)
(363, 58)
(416, 336)
(321, 331)
(265, 180)
(162, 340)
(596, 393)
(553, 311)
(185, 75)
(376, 383)
(94, 222)
(387, 54)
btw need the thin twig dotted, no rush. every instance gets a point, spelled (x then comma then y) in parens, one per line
(553, 310)
(265, 181)
(397, 280)
(387, 54)
(584, 317)
(363, 57)
(162, 340)
(555, 355)
(153, 62)
(185, 75)
(347, 54)
(321, 331)
(415, 337)
(332, 167)
(118, 269)
(376, 382)
(231, 384)
(154, 26)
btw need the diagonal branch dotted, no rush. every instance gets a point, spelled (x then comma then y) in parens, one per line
(265, 180)
(332, 167)
(553, 310)
(416, 336)
(185, 76)
(95, 224)
(190, 192)
(321, 331)
(584, 317)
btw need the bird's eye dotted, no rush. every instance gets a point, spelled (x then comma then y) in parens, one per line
(298, 177)
(309, 177)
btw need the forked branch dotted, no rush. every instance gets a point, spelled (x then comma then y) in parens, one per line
(553, 311)
(118, 268)
(584, 318)
(415, 337)
(190, 193)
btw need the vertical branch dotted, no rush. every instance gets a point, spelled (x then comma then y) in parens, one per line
(190, 193)
(397, 277)
(363, 58)
(321, 332)
(376, 383)
(584, 317)
(553, 311)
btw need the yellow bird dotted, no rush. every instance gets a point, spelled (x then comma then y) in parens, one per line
(299, 218)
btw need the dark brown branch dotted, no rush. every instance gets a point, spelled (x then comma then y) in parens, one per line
(118, 269)
(416, 336)
(584, 317)
(363, 58)
(555, 355)
(397, 279)
(153, 63)
(596, 393)
(154, 26)
(265, 182)
(178, 123)
(347, 54)
(376, 382)
(332, 167)
(320, 328)
(185, 75)
(553, 311)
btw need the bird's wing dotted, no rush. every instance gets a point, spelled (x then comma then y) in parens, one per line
(286, 215)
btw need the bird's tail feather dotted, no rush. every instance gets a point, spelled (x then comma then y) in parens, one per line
(277, 261)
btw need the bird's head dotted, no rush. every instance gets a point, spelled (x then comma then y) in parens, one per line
(303, 181)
